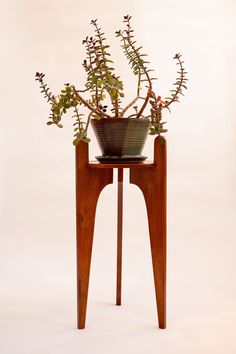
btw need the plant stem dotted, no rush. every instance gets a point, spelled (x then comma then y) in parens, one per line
(113, 101)
(149, 94)
(88, 121)
(134, 100)
(178, 89)
(89, 106)
(128, 106)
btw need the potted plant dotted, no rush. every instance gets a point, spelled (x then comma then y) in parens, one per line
(120, 133)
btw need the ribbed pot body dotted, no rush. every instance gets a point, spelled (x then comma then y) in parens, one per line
(121, 136)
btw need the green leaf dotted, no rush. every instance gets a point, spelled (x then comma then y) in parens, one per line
(152, 133)
(96, 116)
(76, 141)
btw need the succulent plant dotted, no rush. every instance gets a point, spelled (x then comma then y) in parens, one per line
(104, 85)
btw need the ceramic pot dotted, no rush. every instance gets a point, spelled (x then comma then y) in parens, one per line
(119, 137)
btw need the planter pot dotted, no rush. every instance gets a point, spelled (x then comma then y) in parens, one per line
(121, 138)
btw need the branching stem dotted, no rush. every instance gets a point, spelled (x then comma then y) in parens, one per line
(89, 106)
(179, 85)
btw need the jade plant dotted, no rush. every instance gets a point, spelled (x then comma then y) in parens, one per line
(106, 88)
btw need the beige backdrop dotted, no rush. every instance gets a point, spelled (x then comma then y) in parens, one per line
(37, 250)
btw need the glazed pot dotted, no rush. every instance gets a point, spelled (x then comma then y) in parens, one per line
(119, 137)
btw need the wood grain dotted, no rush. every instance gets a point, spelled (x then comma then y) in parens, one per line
(119, 235)
(89, 184)
(152, 182)
(91, 178)
(94, 164)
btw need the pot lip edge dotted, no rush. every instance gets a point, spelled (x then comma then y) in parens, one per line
(99, 121)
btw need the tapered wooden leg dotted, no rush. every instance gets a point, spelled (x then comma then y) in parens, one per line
(89, 184)
(152, 182)
(119, 236)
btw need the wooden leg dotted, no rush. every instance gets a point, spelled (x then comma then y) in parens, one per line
(89, 184)
(152, 182)
(119, 235)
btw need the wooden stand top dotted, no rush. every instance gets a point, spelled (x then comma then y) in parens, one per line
(146, 164)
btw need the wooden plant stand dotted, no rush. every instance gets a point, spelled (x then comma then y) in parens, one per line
(91, 178)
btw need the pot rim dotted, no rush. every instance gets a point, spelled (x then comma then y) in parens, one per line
(123, 119)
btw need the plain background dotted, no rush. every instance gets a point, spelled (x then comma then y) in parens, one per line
(37, 250)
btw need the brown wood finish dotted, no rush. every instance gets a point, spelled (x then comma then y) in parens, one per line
(95, 164)
(89, 184)
(119, 235)
(152, 182)
(91, 178)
